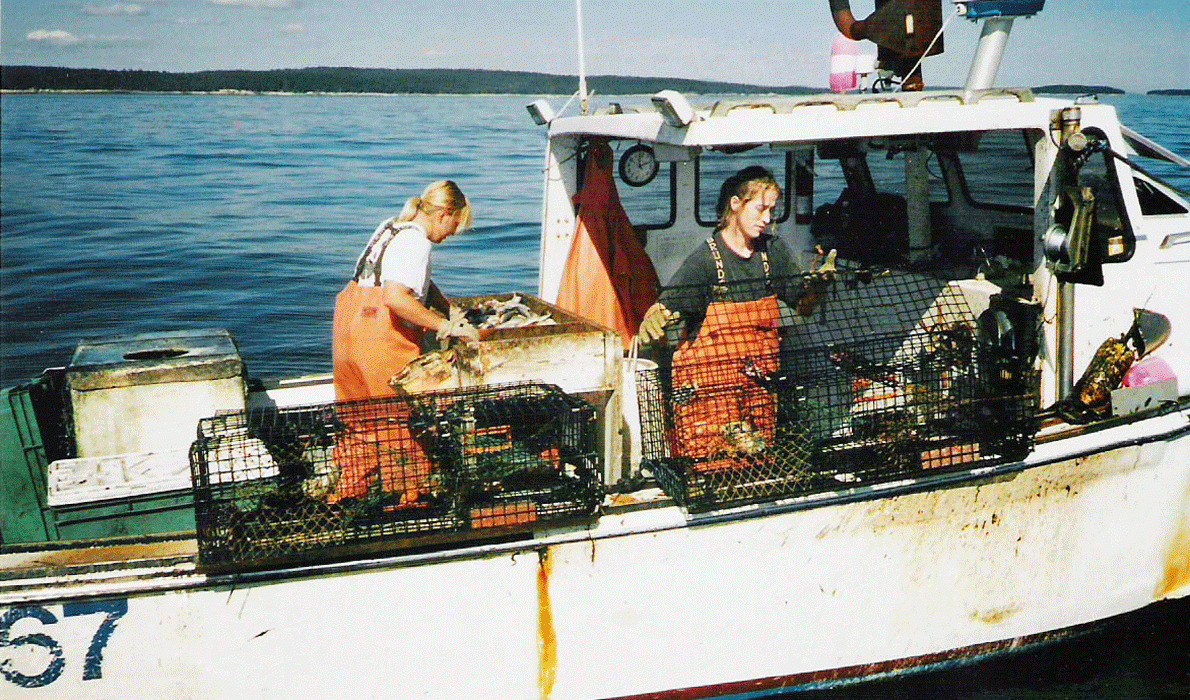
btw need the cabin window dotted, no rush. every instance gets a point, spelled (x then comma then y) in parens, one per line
(860, 205)
(652, 205)
(996, 167)
(714, 167)
(958, 198)
(1154, 202)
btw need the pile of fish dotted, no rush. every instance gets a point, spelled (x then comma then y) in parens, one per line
(510, 313)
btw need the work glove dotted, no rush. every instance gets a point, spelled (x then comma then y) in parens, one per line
(816, 283)
(457, 326)
(652, 326)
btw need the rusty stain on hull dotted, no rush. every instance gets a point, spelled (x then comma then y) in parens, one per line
(1177, 564)
(997, 615)
(547, 639)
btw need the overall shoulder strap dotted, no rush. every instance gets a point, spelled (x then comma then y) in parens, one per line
(387, 235)
(722, 275)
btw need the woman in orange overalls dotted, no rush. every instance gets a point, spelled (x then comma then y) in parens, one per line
(380, 317)
(728, 290)
(390, 302)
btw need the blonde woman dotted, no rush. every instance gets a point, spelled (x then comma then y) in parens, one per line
(390, 301)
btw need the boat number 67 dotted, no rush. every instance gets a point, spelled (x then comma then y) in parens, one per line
(55, 663)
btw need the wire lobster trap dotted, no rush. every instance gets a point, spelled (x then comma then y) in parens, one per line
(886, 408)
(882, 376)
(280, 484)
(724, 437)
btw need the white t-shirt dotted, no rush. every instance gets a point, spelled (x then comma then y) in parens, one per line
(406, 257)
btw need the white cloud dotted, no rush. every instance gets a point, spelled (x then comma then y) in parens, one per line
(63, 38)
(118, 8)
(293, 29)
(57, 37)
(265, 4)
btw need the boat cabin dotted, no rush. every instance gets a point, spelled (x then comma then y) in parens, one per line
(963, 185)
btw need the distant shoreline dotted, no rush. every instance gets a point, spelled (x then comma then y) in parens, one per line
(331, 81)
(357, 81)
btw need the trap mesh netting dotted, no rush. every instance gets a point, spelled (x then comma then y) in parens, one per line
(879, 377)
(283, 482)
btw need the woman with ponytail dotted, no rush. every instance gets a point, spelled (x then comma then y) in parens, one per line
(390, 301)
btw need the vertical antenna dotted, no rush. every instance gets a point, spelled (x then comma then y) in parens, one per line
(582, 68)
(988, 53)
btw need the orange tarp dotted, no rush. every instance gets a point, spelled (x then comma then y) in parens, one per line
(609, 278)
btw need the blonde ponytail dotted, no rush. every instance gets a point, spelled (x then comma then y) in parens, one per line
(442, 194)
(410, 209)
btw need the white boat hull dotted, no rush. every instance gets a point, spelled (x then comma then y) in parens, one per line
(647, 602)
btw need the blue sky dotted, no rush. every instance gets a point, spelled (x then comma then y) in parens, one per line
(1137, 45)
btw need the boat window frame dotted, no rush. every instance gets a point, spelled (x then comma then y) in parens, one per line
(1155, 195)
(673, 202)
(663, 165)
(965, 187)
(786, 189)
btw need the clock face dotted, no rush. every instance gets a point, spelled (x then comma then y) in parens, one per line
(638, 165)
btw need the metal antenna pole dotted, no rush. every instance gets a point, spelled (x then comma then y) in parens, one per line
(582, 67)
(986, 63)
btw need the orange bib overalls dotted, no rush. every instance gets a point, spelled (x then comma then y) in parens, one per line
(369, 345)
(713, 401)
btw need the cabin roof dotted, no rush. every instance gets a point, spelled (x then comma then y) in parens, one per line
(818, 117)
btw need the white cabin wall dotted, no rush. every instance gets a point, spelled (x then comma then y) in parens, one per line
(1045, 285)
(557, 213)
(1155, 278)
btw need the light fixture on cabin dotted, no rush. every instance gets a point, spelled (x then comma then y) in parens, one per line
(674, 108)
(541, 112)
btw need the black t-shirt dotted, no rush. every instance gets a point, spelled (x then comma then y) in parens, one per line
(693, 286)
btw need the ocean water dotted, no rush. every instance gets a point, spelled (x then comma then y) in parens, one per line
(142, 213)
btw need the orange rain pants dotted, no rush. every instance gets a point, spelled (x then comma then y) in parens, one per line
(711, 394)
(369, 346)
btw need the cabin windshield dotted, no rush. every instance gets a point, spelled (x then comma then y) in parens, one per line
(958, 202)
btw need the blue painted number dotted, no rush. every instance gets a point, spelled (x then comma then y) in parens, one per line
(53, 667)
(112, 610)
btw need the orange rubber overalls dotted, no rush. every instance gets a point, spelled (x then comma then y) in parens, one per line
(369, 345)
(712, 396)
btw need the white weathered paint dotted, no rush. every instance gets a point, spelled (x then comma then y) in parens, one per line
(647, 601)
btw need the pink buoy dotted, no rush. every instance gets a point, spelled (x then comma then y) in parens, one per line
(843, 62)
(1150, 370)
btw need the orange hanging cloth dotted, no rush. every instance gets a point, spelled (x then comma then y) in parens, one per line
(609, 278)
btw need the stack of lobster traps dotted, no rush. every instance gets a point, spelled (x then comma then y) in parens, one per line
(291, 484)
(888, 376)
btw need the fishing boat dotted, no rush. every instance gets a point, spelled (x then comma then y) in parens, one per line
(978, 442)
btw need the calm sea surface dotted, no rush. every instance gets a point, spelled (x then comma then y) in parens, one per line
(141, 213)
